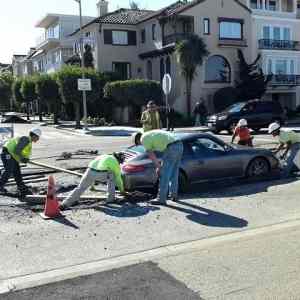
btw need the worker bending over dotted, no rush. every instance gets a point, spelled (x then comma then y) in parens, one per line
(243, 133)
(105, 169)
(290, 141)
(168, 172)
(15, 151)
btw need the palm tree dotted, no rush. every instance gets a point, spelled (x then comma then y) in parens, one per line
(190, 54)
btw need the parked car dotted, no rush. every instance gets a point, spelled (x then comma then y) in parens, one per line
(259, 114)
(205, 158)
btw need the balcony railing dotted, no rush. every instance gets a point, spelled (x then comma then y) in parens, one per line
(173, 38)
(285, 80)
(278, 44)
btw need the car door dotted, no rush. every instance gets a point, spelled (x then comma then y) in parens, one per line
(248, 112)
(209, 160)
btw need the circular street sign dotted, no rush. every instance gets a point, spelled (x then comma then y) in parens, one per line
(167, 84)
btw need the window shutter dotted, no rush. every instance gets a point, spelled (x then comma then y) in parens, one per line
(132, 38)
(107, 37)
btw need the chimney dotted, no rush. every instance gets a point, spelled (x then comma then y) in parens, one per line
(102, 7)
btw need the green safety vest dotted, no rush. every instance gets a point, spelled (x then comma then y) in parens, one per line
(11, 146)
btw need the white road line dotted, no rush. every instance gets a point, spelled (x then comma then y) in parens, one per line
(92, 267)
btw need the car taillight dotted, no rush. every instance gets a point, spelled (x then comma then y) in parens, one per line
(128, 168)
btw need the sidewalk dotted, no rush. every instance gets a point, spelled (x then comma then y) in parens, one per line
(123, 130)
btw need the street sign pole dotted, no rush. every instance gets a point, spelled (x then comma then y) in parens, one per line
(167, 85)
(82, 67)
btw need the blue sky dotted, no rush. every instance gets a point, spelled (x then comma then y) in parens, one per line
(18, 17)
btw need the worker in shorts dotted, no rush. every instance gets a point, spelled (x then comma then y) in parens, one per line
(105, 169)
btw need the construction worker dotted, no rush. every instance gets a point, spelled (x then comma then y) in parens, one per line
(105, 169)
(150, 118)
(243, 132)
(168, 172)
(15, 151)
(290, 141)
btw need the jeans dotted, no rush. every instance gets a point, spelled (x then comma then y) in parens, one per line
(11, 168)
(169, 172)
(87, 180)
(294, 149)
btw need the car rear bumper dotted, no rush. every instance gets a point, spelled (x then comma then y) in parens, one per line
(140, 180)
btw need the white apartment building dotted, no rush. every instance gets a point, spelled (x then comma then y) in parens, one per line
(276, 37)
(55, 46)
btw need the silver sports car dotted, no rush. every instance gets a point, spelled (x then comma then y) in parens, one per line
(205, 158)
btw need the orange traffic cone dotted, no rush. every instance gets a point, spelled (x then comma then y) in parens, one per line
(51, 206)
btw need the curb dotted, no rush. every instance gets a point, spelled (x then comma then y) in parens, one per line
(17, 283)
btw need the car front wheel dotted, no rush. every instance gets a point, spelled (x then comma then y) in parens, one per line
(258, 167)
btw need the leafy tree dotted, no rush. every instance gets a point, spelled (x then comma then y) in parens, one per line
(16, 91)
(134, 5)
(190, 54)
(88, 56)
(225, 97)
(28, 92)
(47, 90)
(6, 81)
(67, 79)
(252, 82)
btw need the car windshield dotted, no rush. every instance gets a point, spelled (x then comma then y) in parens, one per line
(235, 107)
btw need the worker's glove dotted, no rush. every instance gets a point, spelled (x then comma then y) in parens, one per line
(25, 160)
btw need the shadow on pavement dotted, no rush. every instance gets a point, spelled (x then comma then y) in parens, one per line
(209, 217)
(64, 221)
(234, 188)
(125, 210)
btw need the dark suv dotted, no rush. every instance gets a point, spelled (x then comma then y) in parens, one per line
(259, 114)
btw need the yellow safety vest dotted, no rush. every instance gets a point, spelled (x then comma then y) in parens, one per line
(11, 146)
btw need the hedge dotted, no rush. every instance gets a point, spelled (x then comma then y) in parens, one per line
(134, 92)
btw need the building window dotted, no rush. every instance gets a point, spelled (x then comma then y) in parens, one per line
(272, 5)
(276, 33)
(162, 69)
(123, 69)
(281, 67)
(217, 69)
(149, 70)
(266, 32)
(119, 37)
(168, 65)
(292, 67)
(206, 26)
(143, 36)
(253, 4)
(287, 34)
(270, 71)
(231, 30)
(153, 32)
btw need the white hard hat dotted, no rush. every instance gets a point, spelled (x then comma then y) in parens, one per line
(273, 127)
(36, 131)
(242, 122)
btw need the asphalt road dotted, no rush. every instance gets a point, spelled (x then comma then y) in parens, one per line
(94, 233)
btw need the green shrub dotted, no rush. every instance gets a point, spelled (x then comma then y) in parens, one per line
(47, 91)
(67, 79)
(135, 92)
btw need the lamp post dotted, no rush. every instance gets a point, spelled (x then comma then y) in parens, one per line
(82, 66)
